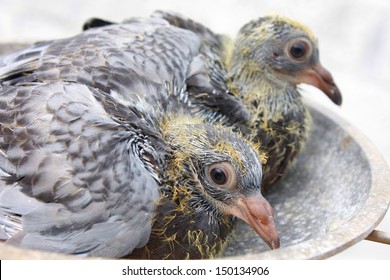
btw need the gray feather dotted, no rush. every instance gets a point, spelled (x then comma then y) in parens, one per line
(145, 61)
(74, 180)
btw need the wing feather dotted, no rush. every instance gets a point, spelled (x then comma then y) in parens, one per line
(74, 185)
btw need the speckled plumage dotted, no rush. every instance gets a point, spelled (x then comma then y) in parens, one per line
(259, 70)
(126, 58)
(100, 153)
(60, 155)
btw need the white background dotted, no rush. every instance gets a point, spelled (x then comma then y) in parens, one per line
(354, 38)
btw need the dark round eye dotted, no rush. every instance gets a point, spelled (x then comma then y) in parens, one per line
(222, 174)
(218, 175)
(299, 49)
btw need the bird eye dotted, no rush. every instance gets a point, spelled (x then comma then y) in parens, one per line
(218, 175)
(299, 49)
(222, 174)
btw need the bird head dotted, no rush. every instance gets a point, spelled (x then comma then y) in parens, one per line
(222, 172)
(285, 50)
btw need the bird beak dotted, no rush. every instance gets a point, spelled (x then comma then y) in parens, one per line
(257, 212)
(316, 75)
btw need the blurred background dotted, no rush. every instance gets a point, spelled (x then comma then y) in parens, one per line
(354, 40)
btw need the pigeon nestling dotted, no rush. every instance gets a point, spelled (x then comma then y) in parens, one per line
(270, 57)
(263, 66)
(100, 155)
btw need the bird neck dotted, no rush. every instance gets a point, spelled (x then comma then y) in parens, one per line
(267, 97)
(182, 230)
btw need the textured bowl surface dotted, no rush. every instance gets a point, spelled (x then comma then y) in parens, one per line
(336, 193)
